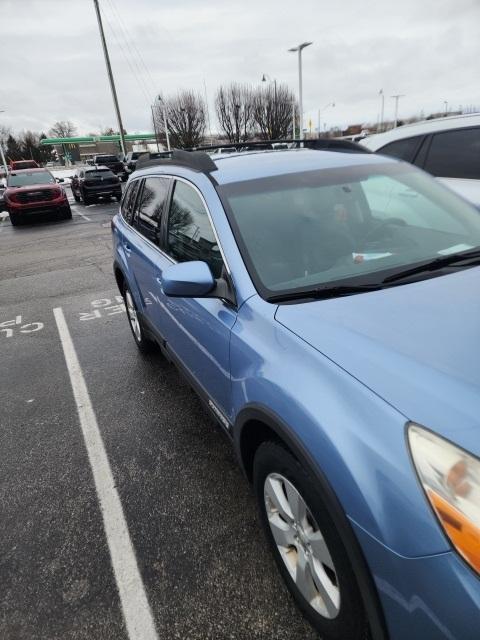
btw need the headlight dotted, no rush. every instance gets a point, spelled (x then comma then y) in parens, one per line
(451, 480)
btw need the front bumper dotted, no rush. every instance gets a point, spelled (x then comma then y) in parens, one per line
(426, 598)
(37, 208)
(103, 190)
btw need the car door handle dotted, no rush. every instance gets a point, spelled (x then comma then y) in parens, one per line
(128, 249)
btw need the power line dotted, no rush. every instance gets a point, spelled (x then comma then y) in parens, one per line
(135, 73)
(124, 28)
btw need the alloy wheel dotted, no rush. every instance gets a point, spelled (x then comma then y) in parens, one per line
(301, 545)
(133, 316)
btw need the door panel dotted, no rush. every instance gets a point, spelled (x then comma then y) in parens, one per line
(141, 243)
(197, 330)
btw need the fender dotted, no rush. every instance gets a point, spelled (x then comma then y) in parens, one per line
(260, 413)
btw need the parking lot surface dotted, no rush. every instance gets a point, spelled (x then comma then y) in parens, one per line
(191, 518)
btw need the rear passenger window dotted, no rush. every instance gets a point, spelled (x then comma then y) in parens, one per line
(455, 154)
(129, 201)
(150, 206)
(403, 149)
(190, 234)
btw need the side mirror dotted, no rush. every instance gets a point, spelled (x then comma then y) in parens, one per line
(188, 280)
(59, 180)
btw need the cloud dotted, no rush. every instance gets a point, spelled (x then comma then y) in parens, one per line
(427, 51)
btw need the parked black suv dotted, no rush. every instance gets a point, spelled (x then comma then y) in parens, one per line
(113, 163)
(90, 183)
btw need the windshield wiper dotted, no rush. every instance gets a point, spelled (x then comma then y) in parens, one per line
(321, 293)
(463, 259)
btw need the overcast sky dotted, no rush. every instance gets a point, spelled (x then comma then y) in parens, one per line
(53, 67)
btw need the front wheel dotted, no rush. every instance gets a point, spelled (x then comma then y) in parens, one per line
(143, 343)
(67, 212)
(306, 545)
(14, 219)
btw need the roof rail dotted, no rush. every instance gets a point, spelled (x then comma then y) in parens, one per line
(334, 144)
(194, 159)
(197, 158)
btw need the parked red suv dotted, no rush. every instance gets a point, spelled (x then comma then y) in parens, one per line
(31, 193)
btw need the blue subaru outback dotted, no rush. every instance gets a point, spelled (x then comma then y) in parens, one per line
(326, 307)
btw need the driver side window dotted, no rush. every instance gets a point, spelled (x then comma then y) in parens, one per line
(190, 234)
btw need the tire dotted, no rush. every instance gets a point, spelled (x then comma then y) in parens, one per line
(14, 219)
(144, 344)
(307, 547)
(67, 212)
(75, 196)
(86, 199)
(118, 198)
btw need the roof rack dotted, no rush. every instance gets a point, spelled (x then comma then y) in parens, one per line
(193, 159)
(333, 144)
(197, 158)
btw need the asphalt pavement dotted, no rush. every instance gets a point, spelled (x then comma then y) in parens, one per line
(190, 514)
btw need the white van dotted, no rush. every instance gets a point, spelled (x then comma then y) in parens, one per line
(448, 148)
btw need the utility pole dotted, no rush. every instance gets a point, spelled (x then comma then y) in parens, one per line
(397, 98)
(4, 162)
(154, 127)
(110, 77)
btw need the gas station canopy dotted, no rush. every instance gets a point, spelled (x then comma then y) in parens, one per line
(86, 139)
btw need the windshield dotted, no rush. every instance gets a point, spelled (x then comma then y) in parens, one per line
(351, 225)
(23, 179)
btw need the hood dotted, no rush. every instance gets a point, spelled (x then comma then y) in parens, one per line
(415, 345)
(32, 187)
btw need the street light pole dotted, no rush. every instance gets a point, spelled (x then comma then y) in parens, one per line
(165, 121)
(264, 79)
(110, 77)
(299, 48)
(397, 98)
(382, 112)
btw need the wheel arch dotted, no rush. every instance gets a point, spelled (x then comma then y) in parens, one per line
(256, 424)
(119, 277)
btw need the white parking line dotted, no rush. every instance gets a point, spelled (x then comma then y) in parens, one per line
(136, 610)
(83, 216)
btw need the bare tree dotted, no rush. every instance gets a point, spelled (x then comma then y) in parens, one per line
(273, 111)
(186, 119)
(29, 142)
(5, 132)
(63, 129)
(234, 106)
